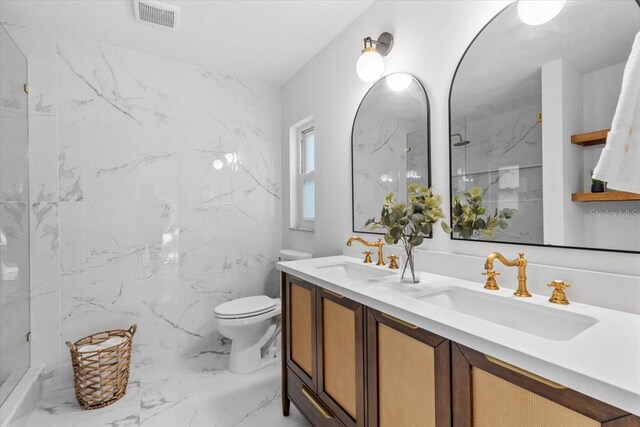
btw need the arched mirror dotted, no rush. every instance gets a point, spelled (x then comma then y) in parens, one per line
(389, 143)
(530, 107)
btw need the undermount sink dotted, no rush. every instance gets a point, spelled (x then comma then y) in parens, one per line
(545, 322)
(349, 270)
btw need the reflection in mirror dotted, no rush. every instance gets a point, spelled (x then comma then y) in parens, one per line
(390, 144)
(519, 95)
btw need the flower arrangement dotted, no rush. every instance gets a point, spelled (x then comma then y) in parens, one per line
(410, 224)
(470, 217)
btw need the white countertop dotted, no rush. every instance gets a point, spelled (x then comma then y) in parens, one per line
(603, 361)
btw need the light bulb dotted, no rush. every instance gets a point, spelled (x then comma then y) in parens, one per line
(399, 81)
(370, 65)
(536, 12)
(217, 164)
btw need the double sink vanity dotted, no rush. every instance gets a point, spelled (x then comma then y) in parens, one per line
(362, 348)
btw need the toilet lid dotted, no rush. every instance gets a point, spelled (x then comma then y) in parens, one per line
(245, 307)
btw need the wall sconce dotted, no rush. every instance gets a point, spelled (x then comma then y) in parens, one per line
(536, 12)
(370, 64)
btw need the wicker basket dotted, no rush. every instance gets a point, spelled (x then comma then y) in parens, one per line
(101, 375)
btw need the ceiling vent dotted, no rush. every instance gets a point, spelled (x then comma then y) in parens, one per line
(156, 13)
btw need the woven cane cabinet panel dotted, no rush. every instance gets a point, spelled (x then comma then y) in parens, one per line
(408, 375)
(339, 354)
(499, 403)
(406, 383)
(301, 327)
(341, 383)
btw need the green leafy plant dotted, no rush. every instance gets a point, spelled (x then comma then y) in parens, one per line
(470, 217)
(410, 224)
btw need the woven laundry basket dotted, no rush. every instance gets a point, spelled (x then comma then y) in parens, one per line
(101, 366)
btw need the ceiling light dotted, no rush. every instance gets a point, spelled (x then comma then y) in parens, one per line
(398, 81)
(536, 12)
(370, 64)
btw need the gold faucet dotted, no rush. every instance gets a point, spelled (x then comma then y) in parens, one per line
(379, 244)
(519, 262)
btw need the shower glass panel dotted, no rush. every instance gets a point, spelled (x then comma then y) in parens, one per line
(14, 216)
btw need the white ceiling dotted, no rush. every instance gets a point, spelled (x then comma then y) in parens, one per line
(266, 40)
(504, 62)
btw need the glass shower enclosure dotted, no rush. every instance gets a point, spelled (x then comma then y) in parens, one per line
(14, 216)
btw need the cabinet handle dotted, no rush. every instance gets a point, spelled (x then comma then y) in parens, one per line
(525, 373)
(332, 293)
(315, 403)
(401, 322)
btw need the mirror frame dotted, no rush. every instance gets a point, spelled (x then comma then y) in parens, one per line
(353, 125)
(453, 80)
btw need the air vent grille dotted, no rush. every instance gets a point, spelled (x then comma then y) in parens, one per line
(157, 13)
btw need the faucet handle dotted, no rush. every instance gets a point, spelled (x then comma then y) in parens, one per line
(393, 263)
(491, 283)
(367, 257)
(559, 284)
(490, 273)
(558, 296)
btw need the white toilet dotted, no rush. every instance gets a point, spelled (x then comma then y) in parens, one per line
(251, 323)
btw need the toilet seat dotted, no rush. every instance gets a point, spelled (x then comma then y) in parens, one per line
(243, 308)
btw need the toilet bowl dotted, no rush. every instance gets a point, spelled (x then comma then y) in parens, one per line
(250, 323)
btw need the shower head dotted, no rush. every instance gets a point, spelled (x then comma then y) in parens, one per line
(460, 143)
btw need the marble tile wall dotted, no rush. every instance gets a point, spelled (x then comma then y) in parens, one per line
(380, 162)
(157, 196)
(504, 157)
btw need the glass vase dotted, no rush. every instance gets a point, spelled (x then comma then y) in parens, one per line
(411, 267)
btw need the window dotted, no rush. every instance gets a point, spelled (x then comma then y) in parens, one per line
(303, 194)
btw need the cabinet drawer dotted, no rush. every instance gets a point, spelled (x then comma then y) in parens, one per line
(308, 403)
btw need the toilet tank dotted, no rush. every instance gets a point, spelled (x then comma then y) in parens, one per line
(293, 255)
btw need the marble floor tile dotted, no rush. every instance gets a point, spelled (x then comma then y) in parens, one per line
(59, 408)
(176, 395)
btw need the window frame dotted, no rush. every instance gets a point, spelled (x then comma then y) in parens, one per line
(303, 223)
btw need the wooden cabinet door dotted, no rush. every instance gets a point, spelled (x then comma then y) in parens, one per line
(340, 345)
(490, 392)
(300, 329)
(408, 374)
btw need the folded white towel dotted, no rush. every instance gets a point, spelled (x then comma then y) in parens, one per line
(111, 342)
(619, 163)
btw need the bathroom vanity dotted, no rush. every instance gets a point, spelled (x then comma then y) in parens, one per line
(362, 349)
